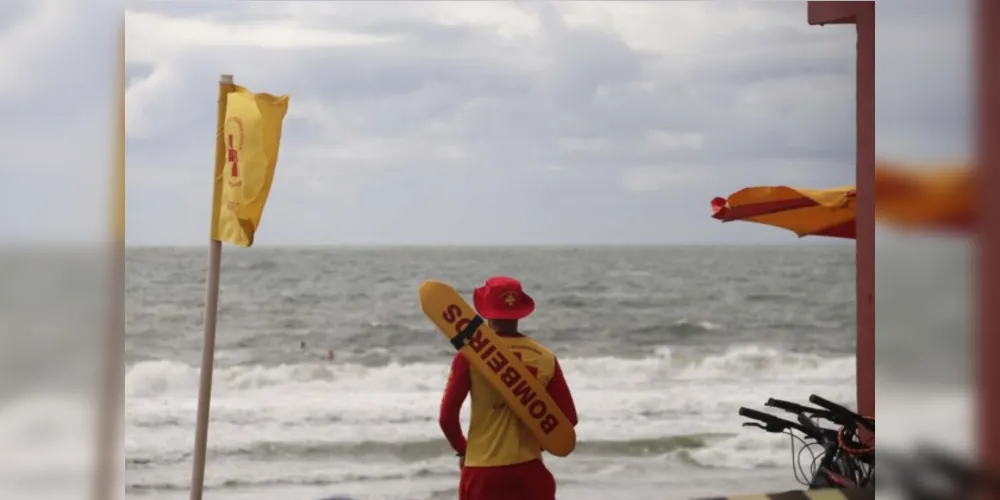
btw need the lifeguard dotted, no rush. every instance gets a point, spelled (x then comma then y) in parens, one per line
(502, 460)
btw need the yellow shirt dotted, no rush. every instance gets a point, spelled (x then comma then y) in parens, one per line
(496, 436)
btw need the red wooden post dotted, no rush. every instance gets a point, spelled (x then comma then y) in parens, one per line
(861, 14)
(988, 251)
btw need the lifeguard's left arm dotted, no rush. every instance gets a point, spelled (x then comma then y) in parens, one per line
(455, 392)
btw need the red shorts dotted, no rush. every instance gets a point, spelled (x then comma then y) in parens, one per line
(527, 481)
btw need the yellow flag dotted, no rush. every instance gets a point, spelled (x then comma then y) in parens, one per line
(247, 143)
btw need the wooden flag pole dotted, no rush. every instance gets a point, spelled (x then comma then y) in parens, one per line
(109, 423)
(211, 317)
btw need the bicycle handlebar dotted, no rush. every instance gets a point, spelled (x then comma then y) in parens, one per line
(839, 414)
(764, 417)
(778, 424)
(791, 407)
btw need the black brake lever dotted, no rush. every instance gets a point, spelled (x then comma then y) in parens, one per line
(752, 424)
(775, 428)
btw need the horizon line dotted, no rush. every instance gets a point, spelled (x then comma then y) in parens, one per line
(496, 245)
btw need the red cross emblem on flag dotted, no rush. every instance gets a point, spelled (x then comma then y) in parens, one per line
(234, 157)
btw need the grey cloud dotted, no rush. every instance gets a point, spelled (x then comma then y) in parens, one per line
(772, 106)
(134, 71)
(542, 93)
(923, 78)
(13, 13)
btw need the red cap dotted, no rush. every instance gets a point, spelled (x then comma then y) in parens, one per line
(502, 298)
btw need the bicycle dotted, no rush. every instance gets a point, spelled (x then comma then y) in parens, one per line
(847, 460)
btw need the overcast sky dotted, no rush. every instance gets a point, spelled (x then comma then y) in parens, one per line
(467, 122)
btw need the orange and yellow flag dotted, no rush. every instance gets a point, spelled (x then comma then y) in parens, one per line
(247, 143)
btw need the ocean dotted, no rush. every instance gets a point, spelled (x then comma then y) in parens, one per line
(660, 346)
